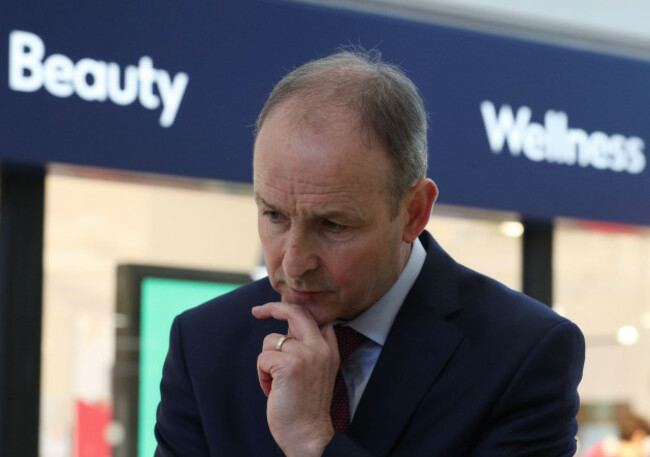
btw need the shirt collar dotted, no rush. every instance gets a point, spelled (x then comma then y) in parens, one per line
(375, 322)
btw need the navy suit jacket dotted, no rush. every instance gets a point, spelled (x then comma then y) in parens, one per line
(469, 368)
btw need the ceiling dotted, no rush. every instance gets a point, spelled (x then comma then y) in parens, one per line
(613, 26)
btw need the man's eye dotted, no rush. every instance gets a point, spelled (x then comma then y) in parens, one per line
(333, 226)
(273, 215)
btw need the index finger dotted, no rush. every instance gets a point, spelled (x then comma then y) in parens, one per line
(302, 324)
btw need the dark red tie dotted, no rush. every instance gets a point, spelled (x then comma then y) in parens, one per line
(348, 340)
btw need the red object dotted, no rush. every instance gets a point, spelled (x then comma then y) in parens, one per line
(348, 340)
(609, 227)
(90, 439)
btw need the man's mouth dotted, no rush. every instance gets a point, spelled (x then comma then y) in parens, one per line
(304, 295)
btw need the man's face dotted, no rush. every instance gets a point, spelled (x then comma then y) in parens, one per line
(324, 220)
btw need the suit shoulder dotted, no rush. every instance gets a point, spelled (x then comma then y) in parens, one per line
(501, 305)
(469, 297)
(497, 320)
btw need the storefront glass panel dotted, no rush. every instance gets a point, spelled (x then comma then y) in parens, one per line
(602, 283)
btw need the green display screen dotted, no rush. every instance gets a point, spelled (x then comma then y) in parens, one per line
(161, 300)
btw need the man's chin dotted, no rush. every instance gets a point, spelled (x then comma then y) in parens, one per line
(321, 316)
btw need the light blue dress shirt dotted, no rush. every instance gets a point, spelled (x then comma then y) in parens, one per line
(375, 323)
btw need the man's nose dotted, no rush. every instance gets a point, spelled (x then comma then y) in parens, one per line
(299, 257)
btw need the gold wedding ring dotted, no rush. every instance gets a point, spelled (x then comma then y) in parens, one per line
(283, 338)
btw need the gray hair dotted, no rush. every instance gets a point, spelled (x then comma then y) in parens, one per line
(388, 102)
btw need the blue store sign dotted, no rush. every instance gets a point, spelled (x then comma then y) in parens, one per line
(175, 89)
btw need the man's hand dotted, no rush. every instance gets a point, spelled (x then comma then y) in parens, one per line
(298, 380)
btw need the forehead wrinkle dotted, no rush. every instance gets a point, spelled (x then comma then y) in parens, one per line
(308, 185)
(324, 205)
(343, 208)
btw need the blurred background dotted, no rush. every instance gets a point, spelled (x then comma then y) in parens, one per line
(142, 214)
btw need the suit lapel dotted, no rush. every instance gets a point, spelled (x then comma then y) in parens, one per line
(418, 346)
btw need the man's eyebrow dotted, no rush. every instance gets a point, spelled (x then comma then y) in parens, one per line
(345, 217)
(259, 199)
(335, 214)
(332, 215)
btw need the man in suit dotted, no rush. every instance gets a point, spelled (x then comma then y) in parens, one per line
(447, 362)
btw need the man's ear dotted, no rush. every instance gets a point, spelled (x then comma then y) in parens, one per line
(418, 201)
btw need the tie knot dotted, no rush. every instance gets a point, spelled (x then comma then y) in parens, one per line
(348, 339)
